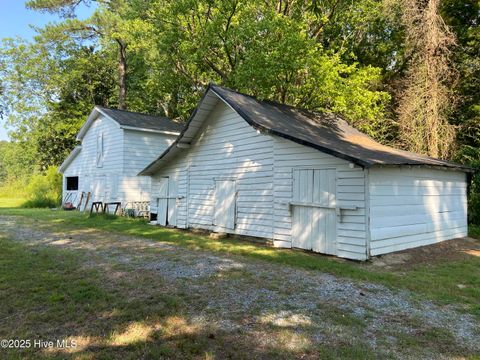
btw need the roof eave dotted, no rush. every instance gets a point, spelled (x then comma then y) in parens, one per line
(134, 128)
(147, 170)
(69, 159)
(452, 167)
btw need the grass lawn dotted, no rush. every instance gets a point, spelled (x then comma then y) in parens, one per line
(451, 282)
(113, 309)
(58, 297)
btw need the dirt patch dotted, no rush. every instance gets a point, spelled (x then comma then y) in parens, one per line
(445, 251)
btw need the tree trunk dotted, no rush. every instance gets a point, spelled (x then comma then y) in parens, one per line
(122, 75)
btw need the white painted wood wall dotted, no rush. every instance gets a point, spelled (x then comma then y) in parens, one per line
(126, 153)
(395, 208)
(411, 207)
(262, 165)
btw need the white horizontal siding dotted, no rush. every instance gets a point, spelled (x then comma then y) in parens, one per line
(412, 207)
(226, 147)
(141, 148)
(134, 188)
(85, 164)
(350, 190)
(126, 152)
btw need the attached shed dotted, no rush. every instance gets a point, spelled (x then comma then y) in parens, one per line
(304, 180)
(115, 146)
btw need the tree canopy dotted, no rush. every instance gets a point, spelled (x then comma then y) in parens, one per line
(404, 71)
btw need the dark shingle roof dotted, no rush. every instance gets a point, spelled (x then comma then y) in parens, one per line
(326, 132)
(141, 121)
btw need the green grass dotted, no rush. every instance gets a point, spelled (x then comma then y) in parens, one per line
(47, 294)
(437, 282)
(11, 202)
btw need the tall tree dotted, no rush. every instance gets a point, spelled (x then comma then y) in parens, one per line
(107, 23)
(426, 99)
(265, 48)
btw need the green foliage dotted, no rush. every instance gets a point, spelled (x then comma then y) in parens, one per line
(342, 56)
(44, 190)
(470, 155)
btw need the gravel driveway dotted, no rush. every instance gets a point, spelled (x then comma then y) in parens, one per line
(245, 297)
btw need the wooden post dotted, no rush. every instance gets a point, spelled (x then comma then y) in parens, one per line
(80, 202)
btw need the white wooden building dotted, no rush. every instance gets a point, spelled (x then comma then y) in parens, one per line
(303, 180)
(115, 146)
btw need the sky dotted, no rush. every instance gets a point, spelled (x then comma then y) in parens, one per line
(15, 20)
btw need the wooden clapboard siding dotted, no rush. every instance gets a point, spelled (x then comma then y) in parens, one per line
(350, 190)
(226, 147)
(134, 188)
(412, 207)
(126, 152)
(85, 165)
(141, 148)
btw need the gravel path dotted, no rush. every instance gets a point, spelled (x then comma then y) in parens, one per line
(240, 295)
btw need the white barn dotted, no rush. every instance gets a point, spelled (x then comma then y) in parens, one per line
(303, 180)
(115, 146)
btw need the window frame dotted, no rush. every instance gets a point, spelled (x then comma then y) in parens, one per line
(68, 185)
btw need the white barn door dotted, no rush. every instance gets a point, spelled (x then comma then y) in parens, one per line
(167, 202)
(162, 201)
(314, 218)
(224, 211)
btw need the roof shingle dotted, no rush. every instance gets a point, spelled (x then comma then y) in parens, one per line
(141, 121)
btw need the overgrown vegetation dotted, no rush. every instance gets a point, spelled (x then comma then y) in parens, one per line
(404, 71)
(44, 190)
(40, 190)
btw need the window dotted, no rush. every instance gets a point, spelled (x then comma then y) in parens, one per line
(100, 150)
(72, 183)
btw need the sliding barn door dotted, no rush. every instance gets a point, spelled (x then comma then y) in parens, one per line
(314, 218)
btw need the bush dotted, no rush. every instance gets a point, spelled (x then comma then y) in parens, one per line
(470, 156)
(44, 190)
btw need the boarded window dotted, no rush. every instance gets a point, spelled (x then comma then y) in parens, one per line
(72, 183)
(100, 150)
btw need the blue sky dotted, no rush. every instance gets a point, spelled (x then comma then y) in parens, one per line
(15, 20)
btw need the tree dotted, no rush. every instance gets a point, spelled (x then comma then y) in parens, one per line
(50, 90)
(425, 101)
(262, 48)
(107, 24)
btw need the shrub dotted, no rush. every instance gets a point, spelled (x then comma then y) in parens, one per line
(470, 156)
(44, 190)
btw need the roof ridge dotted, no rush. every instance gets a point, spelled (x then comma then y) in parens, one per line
(276, 103)
(133, 112)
